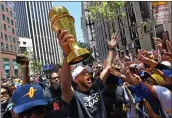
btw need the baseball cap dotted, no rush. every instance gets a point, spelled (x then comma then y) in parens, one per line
(136, 66)
(158, 79)
(28, 96)
(167, 63)
(77, 71)
(167, 73)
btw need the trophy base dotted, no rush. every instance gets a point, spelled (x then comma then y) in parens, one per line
(77, 55)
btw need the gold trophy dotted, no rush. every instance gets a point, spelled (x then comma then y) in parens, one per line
(61, 19)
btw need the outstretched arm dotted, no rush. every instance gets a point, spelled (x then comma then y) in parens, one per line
(65, 74)
(65, 80)
(128, 77)
(24, 62)
(112, 44)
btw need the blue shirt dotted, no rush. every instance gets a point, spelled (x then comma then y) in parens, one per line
(143, 93)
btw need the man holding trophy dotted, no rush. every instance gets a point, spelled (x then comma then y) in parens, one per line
(86, 100)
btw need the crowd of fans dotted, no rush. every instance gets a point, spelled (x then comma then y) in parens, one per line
(122, 86)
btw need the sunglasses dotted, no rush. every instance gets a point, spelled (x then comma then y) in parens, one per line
(38, 110)
(55, 78)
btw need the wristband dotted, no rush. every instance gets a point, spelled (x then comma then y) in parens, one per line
(112, 49)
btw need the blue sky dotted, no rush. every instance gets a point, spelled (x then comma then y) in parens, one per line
(74, 9)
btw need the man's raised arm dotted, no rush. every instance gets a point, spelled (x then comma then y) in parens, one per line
(65, 73)
(112, 44)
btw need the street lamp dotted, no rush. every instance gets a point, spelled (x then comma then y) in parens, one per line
(90, 24)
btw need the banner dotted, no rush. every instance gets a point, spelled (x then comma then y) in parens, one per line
(161, 12)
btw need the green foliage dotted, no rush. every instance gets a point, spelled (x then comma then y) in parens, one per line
(35, 66)
(109, 10)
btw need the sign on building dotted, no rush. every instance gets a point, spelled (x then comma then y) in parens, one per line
(161, 12)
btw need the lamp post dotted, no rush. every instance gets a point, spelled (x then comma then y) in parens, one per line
(90, 24)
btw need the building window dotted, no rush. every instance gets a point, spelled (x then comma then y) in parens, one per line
(2, 6)
(14, 41)
(3, 16)
(11, 48)
(1, 35)
(15, 49)
(8, 20)
(7, 47)
(2, 46)
(6, 37)
(24, 42)
(13, 31)
(11, 13)
(5, 27)
(12, 23)
(9, 29)
(10, 39)
(7, 10)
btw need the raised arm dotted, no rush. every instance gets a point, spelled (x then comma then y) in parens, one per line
(128, 77)
(65, 73)
(112, 44)
(24, 62)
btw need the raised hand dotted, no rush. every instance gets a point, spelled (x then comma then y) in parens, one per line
(114, 40)
(23, 60)
(64, 40)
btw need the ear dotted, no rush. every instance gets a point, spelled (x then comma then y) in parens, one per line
(76, 80)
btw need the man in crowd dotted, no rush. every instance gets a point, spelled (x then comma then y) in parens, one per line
(29, 102)
(86, 100)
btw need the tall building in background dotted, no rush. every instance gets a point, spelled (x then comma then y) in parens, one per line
(33, 23)
(8, 40)
(132, 38)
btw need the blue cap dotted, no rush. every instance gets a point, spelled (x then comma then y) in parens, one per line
(167, 73)
(28, 96)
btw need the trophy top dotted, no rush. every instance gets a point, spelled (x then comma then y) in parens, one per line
(57, 11)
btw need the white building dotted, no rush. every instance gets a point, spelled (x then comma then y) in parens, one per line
(25, 44)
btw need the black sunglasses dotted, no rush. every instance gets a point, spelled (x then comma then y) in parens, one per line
(55, 78)
(38, 110)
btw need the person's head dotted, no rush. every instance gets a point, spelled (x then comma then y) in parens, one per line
(5, 95)
(82, 78)
(135, 69)
(122, 54)
(54, 78)
(154, 79)
(29, 101)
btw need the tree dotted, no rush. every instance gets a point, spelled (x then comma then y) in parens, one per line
(107, 11)
(34, 65)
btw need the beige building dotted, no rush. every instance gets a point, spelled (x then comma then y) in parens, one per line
(8, 40)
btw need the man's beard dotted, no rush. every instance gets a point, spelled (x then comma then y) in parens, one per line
(55, 86)
(56, 90)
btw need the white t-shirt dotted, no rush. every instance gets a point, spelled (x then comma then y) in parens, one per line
(165, 97)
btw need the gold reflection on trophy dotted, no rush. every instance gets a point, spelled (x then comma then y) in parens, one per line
(61, 19)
